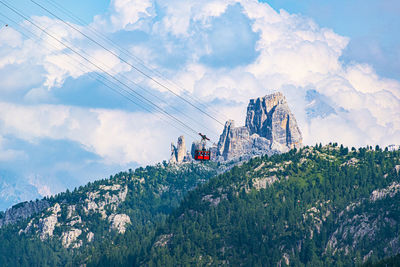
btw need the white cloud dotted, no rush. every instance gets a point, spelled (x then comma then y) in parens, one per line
(364, 79)
(10, 37)
(59, 61)
(7, 154)
(291, 53)
(125, 15)
(295, 51)
(42, 188)
(118, 137)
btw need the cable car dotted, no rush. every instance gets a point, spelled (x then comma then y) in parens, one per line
(202, 154)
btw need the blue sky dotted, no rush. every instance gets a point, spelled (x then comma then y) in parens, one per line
(59, 128)
(373, 27)
(85, 10)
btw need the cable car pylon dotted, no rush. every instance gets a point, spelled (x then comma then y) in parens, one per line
(203, 154)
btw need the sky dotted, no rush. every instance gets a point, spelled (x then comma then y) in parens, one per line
(337, 62)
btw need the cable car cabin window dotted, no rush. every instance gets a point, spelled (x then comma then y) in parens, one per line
(198, 155)
(202, 155)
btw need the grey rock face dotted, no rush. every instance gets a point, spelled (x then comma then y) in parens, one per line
(270, 128)
(271, 118)
(196, 145)
(237, 142)
(228, 141)
(178, 152)
(118, 222)
(66, 222)
(15, 189)
(368, 222)
(22, 211)
(317, 105)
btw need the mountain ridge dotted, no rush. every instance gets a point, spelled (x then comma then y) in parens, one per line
(270, 128)
(135, 217)
(290, 211)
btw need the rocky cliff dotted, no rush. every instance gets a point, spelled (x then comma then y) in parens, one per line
(71, 220)
(179, 153)
(270, 127)
(22, 211)
(56, 231)
(291, 210)
(237, 142)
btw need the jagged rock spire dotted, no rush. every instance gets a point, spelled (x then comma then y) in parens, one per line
(270, 117)
(270, 127)
(178, 152)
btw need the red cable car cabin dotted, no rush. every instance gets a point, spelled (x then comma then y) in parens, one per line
(202, 155)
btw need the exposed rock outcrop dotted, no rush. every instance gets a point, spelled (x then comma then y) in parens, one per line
(179, 153)
(22, 211)
(237, 142)
(270, 127)
(48, 224)
(70, 237)
(271, 118)
(89, 237)
(69, 220)
(367, 220)
(119, 221)
(96, 202)
(391, 190)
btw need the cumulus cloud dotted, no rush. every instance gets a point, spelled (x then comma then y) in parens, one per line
(223, 53)
(125, 15)
(53, 47)
(7, 154)
(295, 52)
(118, 137)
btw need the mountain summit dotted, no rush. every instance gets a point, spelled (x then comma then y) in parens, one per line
(270, 127)
(178, 152)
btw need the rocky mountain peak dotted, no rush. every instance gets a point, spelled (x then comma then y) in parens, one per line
(260, 110)
(270, 127)
(179, 153)
(22, 211)
(270, 117)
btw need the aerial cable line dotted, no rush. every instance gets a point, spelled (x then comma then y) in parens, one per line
(127, 62)
(134, 83)
(102, 70)
(98, 67)
(129, 54)
(91, 74)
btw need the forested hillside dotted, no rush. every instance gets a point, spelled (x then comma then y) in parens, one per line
(115, 215)
(317, 206)
(389, 262)
(321, 206)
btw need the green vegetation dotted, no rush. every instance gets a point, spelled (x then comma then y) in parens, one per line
(312, 207)
(295, 216)
(152, 193)
(390, 262)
